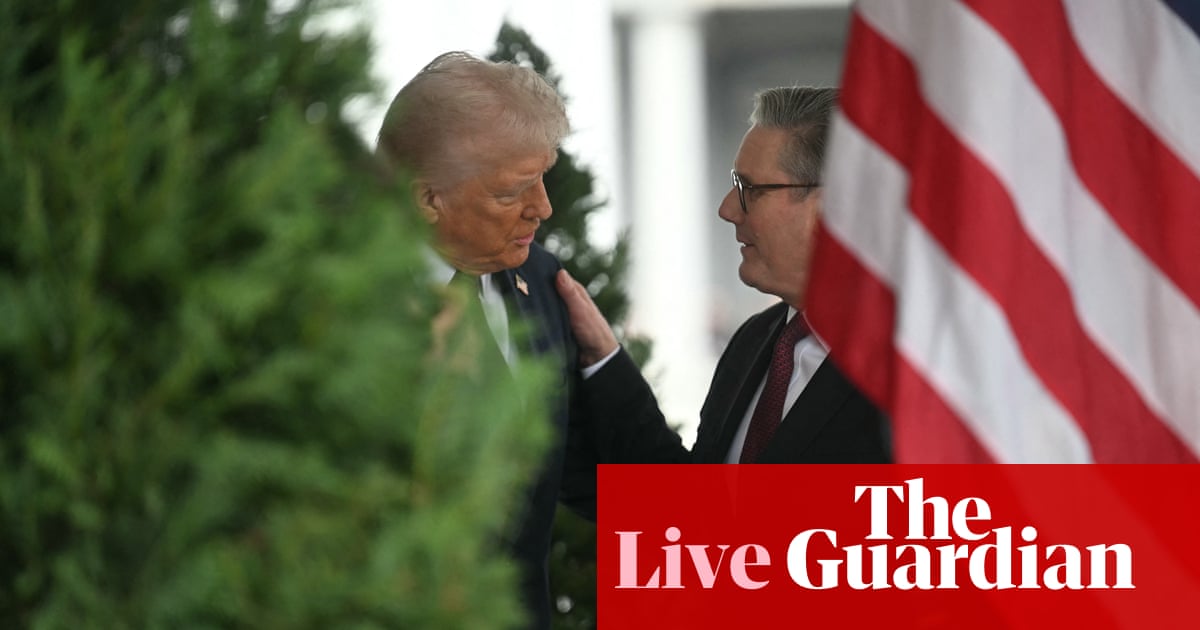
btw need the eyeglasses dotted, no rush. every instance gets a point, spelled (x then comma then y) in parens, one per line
(742, 187)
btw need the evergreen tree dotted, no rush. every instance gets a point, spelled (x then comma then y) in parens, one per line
(570, 187)
(229, 395)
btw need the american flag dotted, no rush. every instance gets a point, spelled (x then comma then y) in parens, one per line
(1009, 260)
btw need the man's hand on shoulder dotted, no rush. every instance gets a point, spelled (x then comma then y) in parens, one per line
(592, 332)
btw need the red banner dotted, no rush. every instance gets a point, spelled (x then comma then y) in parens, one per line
(984, 546)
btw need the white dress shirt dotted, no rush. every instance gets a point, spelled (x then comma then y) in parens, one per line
(494, 309)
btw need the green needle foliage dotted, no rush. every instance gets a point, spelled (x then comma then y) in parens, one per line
(229, 395)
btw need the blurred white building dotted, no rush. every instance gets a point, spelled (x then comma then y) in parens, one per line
(658, 92)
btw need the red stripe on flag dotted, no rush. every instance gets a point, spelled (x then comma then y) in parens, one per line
(858, 326)
(1149, 192)
(929, 432)
(855, 317)
(883, 98)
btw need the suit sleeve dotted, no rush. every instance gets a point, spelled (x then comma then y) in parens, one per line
(624, 417)
(614, 419)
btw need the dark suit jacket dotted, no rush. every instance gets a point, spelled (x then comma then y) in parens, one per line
(831, 421)
(568, 472)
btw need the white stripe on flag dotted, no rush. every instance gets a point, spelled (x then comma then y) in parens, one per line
(948, 327)
(1142, 322)
(1150, 59)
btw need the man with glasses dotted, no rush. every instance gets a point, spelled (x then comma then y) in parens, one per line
(774, 397)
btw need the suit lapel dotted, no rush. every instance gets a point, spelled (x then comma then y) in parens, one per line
(743, 391)
(522, 312)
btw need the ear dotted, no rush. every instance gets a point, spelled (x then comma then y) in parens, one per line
(429, 202)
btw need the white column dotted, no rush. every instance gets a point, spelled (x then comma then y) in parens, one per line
(670, 300)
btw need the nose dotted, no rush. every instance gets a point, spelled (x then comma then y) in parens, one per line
(730, 208)
(537, 206)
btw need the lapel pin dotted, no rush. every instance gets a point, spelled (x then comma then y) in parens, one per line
(521, 286)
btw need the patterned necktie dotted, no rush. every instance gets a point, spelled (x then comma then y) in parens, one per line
(769, 411)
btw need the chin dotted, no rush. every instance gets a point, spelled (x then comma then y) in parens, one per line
(516, 259)
(746, 275)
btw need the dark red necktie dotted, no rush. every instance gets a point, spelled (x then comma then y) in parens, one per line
(769, 411)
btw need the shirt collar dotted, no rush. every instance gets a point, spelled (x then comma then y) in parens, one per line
(442, 272)
(792, 312)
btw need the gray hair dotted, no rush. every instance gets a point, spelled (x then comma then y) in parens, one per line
(805, 112)
(429, 126)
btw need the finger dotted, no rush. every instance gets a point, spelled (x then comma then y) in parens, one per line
(572, 292)
(566, 283)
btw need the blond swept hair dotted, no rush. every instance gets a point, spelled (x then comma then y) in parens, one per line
(430, 124)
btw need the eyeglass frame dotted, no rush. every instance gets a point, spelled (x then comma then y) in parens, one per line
(742, 187)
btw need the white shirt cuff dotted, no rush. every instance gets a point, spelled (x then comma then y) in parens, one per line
(595, 367)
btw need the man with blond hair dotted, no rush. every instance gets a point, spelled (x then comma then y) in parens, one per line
(476, 138)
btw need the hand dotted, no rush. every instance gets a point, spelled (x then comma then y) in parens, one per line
(592, 332)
